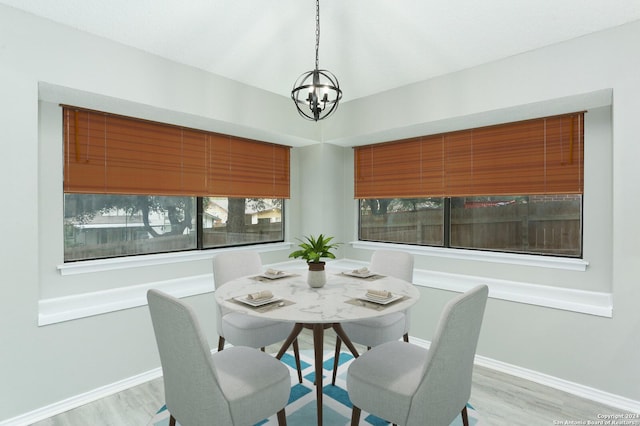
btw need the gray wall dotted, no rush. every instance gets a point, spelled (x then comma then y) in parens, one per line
(42, 64)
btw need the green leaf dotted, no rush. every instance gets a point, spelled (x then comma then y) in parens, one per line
(312, 249)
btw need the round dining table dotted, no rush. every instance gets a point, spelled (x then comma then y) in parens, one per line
(346, 296)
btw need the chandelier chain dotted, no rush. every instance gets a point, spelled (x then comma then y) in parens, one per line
(317, 31)
(316, 93)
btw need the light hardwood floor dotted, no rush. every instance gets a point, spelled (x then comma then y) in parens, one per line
(500, 399)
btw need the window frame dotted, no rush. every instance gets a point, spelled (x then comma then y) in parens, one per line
(117, 263)
(546, 262)
(446, 235)
(199, 238)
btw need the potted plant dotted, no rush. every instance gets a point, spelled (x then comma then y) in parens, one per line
(312, 250)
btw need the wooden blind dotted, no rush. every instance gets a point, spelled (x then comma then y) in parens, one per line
(111, 154)
(247, 168)
(541, 156)
(402, 169)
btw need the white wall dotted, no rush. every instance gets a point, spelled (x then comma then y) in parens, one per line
(323, 184)
(42, 63)
(593, 351)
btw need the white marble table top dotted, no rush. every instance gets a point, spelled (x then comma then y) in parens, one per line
(334, 303)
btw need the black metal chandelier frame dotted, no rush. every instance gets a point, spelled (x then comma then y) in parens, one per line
(320, 87)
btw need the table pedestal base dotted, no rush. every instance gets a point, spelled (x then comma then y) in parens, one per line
(318, 350)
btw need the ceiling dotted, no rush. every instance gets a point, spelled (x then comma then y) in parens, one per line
(370, 45)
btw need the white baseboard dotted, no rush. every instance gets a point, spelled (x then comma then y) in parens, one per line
(82, 399)
(589, 393)
(606, 398)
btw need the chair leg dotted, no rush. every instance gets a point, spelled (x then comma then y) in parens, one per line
(172, 420)
(220, 344)
(355, 416)
(282, 418)
(405, 337)
(336, 358)
(465, 416)
(296, 353)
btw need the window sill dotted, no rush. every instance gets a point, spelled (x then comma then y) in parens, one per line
(481, 256)
(67, 308)
(101, 265)
(74, 307)
(566, 299)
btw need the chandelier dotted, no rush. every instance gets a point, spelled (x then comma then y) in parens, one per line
(316, 93)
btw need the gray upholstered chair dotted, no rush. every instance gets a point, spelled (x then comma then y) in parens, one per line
(408, 385)
(240, 329)
(239, 386)
(375, 331)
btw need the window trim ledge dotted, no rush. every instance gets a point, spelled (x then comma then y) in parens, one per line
(568, 299)
(67, 308)
(565, 263)
(101, 265)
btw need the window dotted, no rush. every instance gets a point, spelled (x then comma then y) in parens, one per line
(240, 221)
(135, 187)
(99, 225)
(515, 188)
(548, 225)
(534, 224)
(403, 220)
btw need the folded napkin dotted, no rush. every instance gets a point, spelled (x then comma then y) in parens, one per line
(264, 294)
(381, 294)
(360, 271)
(273, 272)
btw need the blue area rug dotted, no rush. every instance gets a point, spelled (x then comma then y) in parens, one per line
(301, 409)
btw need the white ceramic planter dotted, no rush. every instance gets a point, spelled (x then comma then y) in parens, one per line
(316, 277)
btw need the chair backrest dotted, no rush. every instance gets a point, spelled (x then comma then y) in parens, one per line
(191, 388)
(229, 266)
(235, 264)
(446, 385)
(398, 264)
